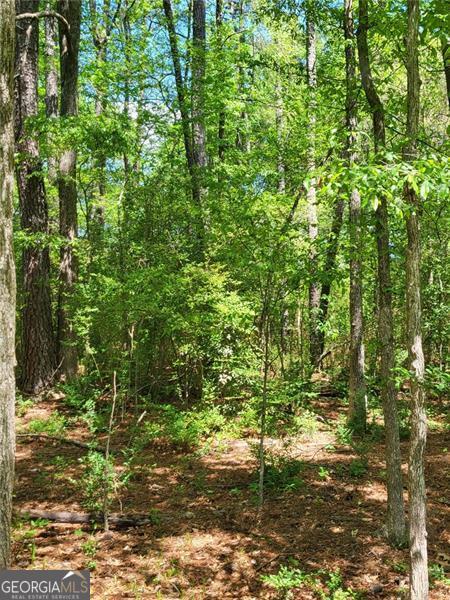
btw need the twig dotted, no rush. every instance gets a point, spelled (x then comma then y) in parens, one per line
(108, 441)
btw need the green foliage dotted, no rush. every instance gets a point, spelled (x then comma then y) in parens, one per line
(56, 424)
(326, 585)
(436, 572)
(99, 477)
(438, 382)
(281, 473)
(358, 467)
(286, 579)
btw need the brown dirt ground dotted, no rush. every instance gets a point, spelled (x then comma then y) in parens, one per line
(208, 540)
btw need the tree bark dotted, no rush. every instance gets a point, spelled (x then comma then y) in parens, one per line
(191, 155)
(357, 414)
(328, 275)
(198, 88)
(222, 114)
(395, 518)
(68, 48)
(51, 81)
(313, 228)
(101, 30)
(38, 356)
(7, 277)
(416, 472)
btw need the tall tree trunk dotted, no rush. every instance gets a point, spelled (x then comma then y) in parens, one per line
(238, 10)
(100, 30)
(51, 81)
(395, 519)
(191, 156)
(222, 114)
(68, 47)
(328, 275)
(357, 386)
(38, 357)
(313, 229)
(7, 277)
(198, 88)
(417, 491)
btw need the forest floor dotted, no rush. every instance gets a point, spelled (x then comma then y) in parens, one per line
(207, 540)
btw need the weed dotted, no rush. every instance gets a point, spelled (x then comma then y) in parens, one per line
(281, 473)
(23, 405)
(344, 434)
(324, 473)
(55, 425)
(358, 467)
(326, 585)
(436, 572)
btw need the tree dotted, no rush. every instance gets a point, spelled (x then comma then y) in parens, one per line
(395, 521)
(198, 89)
(51, 81)
(38, 357)
(311, 196)
(357, 386)
(69, 40)
(416, 474)
(195, 149)
(7, 276)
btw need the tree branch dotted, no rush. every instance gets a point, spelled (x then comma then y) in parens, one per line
(42, 14)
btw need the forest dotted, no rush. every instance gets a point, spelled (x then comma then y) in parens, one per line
(224, 324)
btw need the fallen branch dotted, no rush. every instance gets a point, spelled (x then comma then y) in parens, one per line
(62, 440)
(116, 519)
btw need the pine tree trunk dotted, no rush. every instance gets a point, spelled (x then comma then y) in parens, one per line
(395, 520)
(68, 47)
(7, 277)
(416, 471)
(313, 229)
(38, 357)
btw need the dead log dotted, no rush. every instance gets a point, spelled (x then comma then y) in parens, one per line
(61, 440)
(62, 516)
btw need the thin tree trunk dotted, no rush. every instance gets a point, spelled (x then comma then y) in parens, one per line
(198, 88)
(279, 122)
(186, 128)
(222, 114)
(51, 81)
(38, 357)
(313, 228)
(330, 260)
(395, 519)
(7, 277)
(446, 61)
(357, 386)
(68, 47)
(101, 31)
(416, 472)
(242, 142)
